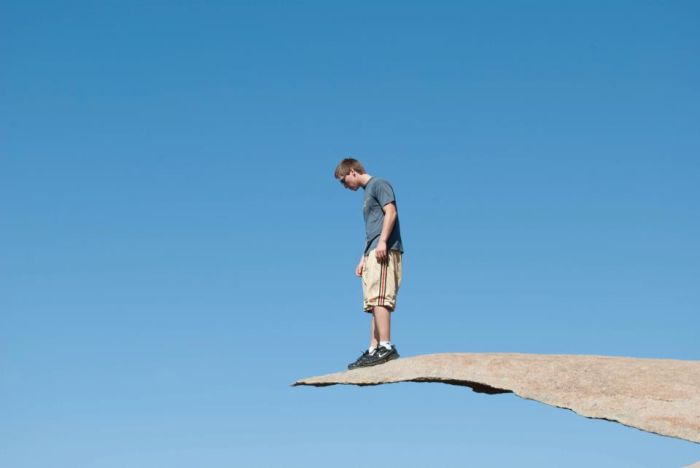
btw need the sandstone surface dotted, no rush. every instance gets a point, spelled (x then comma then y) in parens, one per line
(655, 395)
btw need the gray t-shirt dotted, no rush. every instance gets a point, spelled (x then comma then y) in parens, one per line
(378, 192)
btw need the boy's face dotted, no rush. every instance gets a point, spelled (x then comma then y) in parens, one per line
(351, 181)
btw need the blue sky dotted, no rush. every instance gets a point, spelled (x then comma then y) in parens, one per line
(177, 252)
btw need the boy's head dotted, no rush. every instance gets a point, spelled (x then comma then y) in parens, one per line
(348, 172)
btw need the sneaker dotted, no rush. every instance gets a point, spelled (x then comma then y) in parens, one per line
(359, 362)
(380, 356)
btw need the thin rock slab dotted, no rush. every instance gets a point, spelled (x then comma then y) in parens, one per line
(655, 395)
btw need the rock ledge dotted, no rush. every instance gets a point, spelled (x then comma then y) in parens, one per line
(655, 395)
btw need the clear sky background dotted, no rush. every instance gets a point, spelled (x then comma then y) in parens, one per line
(176, 252)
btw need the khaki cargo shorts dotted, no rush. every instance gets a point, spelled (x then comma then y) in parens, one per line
(381, 281)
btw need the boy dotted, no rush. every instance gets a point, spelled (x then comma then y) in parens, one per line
(380, 264)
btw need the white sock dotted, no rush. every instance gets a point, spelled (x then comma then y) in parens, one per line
(386, 344)
(371, 349)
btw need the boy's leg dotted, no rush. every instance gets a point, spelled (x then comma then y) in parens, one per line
(374, 334)
(381, 324)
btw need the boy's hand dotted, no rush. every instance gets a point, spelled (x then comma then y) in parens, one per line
(380, 252)
(360, 267)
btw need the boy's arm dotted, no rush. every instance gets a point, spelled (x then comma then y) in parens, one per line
(390, 215)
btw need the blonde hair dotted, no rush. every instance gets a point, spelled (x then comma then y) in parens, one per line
(347, 165)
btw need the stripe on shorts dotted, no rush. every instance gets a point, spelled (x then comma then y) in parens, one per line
(382, 282)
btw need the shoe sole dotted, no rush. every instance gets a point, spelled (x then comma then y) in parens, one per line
(384, 360)
(355, 365)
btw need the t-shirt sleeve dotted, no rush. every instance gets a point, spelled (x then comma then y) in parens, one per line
(384, 193)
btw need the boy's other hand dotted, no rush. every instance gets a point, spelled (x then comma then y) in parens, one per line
(360, 267)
